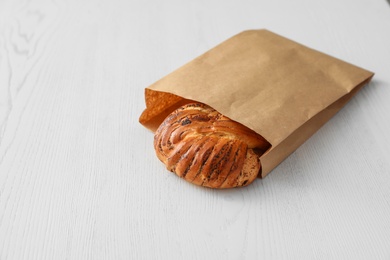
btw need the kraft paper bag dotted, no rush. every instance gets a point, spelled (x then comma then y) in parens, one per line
(281, 89)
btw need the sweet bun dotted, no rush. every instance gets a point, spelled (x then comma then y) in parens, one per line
(208, 149)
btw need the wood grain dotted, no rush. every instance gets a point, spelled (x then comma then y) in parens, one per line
(78, 175)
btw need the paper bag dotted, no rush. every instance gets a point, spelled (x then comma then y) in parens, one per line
(282, 90)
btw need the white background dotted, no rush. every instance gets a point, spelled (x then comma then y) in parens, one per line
(78, 175)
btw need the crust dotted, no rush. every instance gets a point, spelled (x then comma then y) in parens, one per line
(208, 149)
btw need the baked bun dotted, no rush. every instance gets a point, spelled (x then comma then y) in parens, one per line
(207, 148)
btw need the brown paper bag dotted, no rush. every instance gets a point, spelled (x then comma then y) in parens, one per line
(281, 89)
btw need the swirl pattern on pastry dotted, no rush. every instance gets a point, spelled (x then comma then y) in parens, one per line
(207, 148)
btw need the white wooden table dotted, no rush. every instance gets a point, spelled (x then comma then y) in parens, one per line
(78, 175)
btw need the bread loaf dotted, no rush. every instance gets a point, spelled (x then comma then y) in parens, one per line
(207, 148)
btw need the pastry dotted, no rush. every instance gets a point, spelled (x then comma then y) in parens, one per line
(206, 148)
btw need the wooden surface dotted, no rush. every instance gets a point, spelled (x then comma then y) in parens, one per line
(78, 175)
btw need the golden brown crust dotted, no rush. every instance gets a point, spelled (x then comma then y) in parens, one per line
(208, 149)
